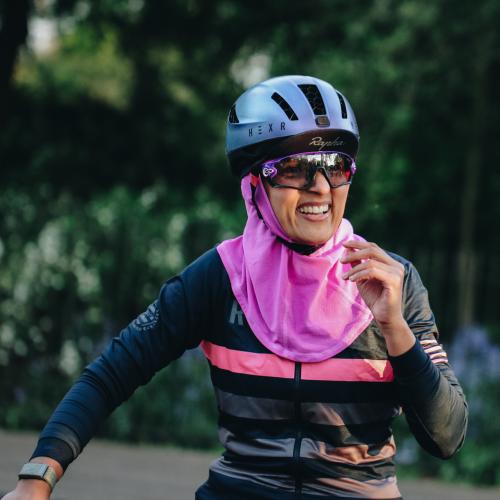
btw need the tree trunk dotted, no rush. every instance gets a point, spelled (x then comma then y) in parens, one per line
(12, 35)
(474, 135)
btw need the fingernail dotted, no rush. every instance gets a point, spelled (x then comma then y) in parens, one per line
(344, 276)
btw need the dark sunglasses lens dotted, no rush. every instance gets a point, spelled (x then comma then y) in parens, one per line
(292, 171)
(299, 171)
(338, 168)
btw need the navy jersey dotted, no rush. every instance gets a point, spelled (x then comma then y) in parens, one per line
(289, 429)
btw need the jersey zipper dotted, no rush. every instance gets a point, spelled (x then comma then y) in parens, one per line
(298, 438)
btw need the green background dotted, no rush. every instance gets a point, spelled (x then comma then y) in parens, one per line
(113, 177)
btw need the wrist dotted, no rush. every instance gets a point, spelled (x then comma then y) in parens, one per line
(398, 337)
(39, 476)
(58, 469)
(393, 327)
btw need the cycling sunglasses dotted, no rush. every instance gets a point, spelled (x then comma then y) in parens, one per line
(298, 171)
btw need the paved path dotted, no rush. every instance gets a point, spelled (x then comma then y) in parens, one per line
(108, 471)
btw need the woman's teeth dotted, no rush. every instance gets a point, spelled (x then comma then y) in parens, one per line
(313, 209)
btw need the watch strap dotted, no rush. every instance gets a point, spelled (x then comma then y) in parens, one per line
(44, 472)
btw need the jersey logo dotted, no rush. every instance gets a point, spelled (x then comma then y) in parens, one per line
(149, 318)
(236, 316)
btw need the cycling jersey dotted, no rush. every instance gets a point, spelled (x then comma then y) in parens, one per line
(289, 429)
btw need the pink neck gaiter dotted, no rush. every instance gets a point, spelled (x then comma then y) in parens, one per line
(298, 306)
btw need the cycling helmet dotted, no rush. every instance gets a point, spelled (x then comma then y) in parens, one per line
(287, 115)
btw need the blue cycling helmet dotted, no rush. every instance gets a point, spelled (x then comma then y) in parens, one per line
(287, 115)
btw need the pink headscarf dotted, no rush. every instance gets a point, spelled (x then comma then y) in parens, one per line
(297, 305)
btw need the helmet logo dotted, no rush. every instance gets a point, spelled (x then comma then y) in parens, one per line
(260, 129)
(318, 141)
(269, 171)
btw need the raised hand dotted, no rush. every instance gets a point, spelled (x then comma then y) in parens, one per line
(379, 279)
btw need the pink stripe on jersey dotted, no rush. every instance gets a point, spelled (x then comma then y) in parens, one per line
(435, 351)
(439, 360)
(439, 353)
(271, 365)
(248, 363)
(349, 370)
(430, 350)
(428, 342)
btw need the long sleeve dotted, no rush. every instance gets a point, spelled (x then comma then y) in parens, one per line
(173, 323)
(430, 394)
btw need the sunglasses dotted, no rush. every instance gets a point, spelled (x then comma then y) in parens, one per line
(298, 171)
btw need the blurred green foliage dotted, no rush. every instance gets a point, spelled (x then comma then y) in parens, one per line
(477, 462)
(113, 176)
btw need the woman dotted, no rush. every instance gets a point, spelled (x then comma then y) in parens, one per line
(315, 338)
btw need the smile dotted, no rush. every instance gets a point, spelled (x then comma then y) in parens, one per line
(314, 209)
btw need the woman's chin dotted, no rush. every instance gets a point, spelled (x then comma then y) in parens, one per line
(313, 239)
(314, 233)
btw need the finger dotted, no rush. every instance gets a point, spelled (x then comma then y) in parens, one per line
(369, 251)
(372, 252)
(363, 275)
(357, 244)
(352, 247)
(356, 268)
(351, 257)
(387, 279)
(390, 271)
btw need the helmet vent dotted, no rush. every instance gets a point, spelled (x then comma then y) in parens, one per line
(342, 105)
(284, 106)
(314, 97)
(233, 118)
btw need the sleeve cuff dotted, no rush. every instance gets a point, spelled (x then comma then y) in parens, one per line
(56, 449)
(410, 363)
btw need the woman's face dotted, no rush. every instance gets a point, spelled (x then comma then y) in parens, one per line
(297, 211)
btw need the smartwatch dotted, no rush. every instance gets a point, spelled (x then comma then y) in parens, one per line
(44, 472)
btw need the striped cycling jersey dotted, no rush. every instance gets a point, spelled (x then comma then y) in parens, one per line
(289, 429)
(313, 428)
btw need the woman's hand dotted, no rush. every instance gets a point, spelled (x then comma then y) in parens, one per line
(29, 489)
(380, 282)
(35, 489)
(379, 278)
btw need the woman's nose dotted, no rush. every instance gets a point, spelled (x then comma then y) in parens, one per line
(320, 183)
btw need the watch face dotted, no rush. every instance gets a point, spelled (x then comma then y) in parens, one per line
(39, 471)
(34, 469)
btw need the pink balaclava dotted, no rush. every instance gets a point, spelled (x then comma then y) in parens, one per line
(298, 306)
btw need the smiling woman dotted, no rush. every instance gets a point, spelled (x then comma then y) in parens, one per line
(316, 339)
(310, 217)
(312, 198)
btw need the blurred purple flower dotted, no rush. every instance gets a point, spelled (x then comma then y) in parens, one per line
(474, 358)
